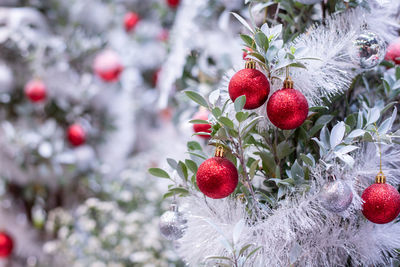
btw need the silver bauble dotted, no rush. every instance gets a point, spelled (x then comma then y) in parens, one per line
(368, 49)
(335, 196)
(172, 224)
(309, 2)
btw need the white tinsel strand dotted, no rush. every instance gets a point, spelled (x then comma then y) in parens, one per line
(300, 230)
(331, 43)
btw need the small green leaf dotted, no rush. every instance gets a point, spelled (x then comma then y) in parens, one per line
(197, 98)
(241, 116)
(216, 112)
(240, 102)
(193, 145)
(167, 195)
(199, 122)
(159, 173)
(247, 40)
(172, 163)
(182, 170)
(226, 122)
(179, 190)
(191, 165)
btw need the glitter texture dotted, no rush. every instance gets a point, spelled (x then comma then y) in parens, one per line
(381, 203)
(202, 115)
(172, 224)
(336, 196)
(287, 108)
(253, 84)
(217, 177)
(369, 49)
(393, 51)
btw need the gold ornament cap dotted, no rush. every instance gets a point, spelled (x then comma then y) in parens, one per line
(380, 178)
(250, 64)
(219, 152)
(288, 83)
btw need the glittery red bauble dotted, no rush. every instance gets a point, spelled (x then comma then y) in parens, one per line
(217, 177)
(287, 108)
(173, 3)
(381, 203)
(393, 51)
(253, 84)
(76, 135)
(6, 245)
(107, 65)
(35, 91)
(205, 128)
(130, 21)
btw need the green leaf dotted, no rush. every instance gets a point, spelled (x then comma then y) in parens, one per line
(182, 170)
(167, 195)
(247, 40)
(226, 122)
(179, 190)
(243, 249)
(239, 103)
(252, 253)
(172, 163)
(199, 122)
(297, 172)
(197, 98)
(243, 21)
(241, 116)
(307, 160)
(192, 166)
(216, 112)
(253, 168)
(262, 40)
(284, 149)
(159, 173)
(193, 145)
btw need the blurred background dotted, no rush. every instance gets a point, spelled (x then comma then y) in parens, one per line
(90, 98)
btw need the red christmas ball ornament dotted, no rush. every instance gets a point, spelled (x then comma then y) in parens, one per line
(6, 245)
(35, 90)
(107, 65)
(205, 128)
(173, 3)
(393, 51)
(163, 35)
(381, 202)
(76, 135)
(252, 83)
(217, 177)
(131, 19)
(287, 108)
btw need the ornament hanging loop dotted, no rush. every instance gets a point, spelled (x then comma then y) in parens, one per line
(219, 152)
(250, 64)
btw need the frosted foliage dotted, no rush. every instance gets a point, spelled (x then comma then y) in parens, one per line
(300, 231)
(331, 44)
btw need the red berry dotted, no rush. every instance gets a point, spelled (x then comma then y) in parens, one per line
(76, 135)
(107, 65)
(253, 84)
(217, 177)
(35, 91)
(381, 203)
(173, 3)
(205, 128)
(130, 21)
(393, 51)
(287, 108)
(6, 245)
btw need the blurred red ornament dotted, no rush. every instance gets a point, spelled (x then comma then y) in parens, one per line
(287, 108)
(205, 128)
(131, 19)
(173, 3)
(107, 65)
(245, 53)
(6, 245)
(253, 84)
(76, 135)
(381, 203)
(35, 91)
(393, 51)
(217, 177)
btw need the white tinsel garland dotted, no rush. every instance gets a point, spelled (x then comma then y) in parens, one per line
(300, 230)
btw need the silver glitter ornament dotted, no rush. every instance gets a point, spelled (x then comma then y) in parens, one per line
(172, 224)
(335, 196)
(368, 49)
